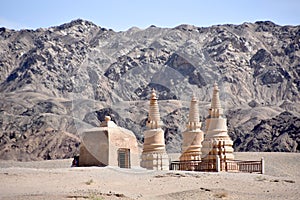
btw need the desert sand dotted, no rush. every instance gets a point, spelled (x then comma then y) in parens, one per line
(55, 179)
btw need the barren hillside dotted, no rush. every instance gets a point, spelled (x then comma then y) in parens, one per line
(57, 81)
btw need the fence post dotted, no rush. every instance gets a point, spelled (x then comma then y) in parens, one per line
(225, 162)
(262, 165)
(218, 163)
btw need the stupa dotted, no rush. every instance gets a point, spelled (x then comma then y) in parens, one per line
(154, 156)
(192, 137)
(216, 140)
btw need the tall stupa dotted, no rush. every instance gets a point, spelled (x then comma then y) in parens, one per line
(193, 135)
(216, 139)
(154, 154)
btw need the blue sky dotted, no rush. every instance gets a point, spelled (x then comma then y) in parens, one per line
(123, 14)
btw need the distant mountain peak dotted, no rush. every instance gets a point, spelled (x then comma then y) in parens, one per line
(77, 22)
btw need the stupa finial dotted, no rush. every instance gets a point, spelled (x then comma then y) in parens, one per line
(194, 97)
(215, 102)
(153, 94)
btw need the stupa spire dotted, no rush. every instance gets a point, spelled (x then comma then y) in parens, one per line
(194, 120)
(215, 110)
(154, 116)
(215, 101)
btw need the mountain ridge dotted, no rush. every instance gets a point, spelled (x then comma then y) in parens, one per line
(64, 78)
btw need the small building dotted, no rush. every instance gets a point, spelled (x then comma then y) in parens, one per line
(109, 145)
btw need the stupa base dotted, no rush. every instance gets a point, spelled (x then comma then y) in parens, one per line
(155, 160)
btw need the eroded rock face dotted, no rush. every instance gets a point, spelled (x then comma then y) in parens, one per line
(55, 82)
(280, 133)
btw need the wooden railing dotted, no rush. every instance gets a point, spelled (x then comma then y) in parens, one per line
(250, 166)
(194, 165)
(219, 165)
(207, 166)
(185, 165)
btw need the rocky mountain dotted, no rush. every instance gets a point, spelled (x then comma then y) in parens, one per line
(55, 82)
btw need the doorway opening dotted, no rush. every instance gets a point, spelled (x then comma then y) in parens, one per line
(124, 158)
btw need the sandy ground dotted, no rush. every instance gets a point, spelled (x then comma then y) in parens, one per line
(57, 180)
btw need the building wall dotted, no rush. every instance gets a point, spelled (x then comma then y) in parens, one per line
(100, 147)
(87, 159)
(123, 139)
(94, 146)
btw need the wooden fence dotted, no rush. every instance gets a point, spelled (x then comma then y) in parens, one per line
(251, 166)
(219, 165)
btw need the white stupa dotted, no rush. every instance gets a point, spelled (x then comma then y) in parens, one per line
(193, 135)
(154, 154)
(216, 139)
